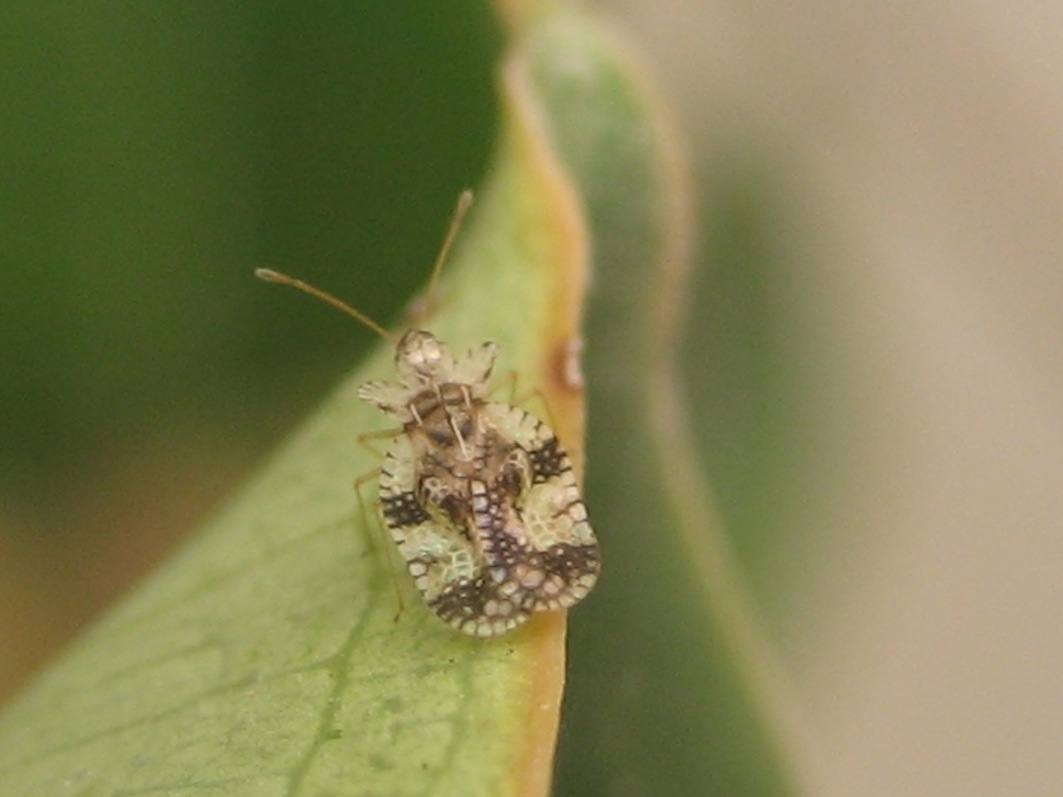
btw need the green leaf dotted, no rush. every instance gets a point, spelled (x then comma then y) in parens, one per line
(266, 657)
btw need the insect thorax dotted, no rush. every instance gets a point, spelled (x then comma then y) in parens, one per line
(447, 414)
(455, 444)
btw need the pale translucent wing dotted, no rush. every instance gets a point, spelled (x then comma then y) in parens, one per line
(559, 557)
(435, 553)
(446, 567)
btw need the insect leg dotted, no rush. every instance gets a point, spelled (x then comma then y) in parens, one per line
(378, 533)
(364, 440)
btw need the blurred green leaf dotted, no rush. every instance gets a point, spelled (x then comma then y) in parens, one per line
(151, 155)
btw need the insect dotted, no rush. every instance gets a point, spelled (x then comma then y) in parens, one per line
(478, 495)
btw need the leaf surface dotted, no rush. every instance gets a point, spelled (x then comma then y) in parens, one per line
(266, 657)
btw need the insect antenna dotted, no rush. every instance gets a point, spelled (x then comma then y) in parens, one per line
(269, 275)
(423, 305)
(464, 202)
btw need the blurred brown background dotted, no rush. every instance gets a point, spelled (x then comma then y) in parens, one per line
(904, 167)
